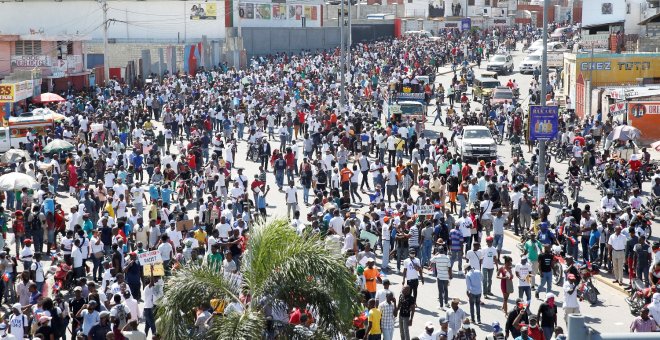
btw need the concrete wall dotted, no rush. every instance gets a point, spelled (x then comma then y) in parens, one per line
(120, 54)
(161, 20)
(262, 41)
(650, 42)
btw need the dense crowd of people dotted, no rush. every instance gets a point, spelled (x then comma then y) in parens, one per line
(157, 167)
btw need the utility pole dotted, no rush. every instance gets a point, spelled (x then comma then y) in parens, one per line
(106, 65)
(350, 35)
(342, 60)
(544, 82)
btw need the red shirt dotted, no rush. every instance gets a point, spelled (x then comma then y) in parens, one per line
(192, 162)
(635, 165)
(465, 171)
(288, 157)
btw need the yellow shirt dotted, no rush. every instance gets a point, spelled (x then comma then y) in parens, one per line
(200, 236)
(374, 320)
(110, 209)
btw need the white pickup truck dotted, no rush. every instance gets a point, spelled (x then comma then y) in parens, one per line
(476, 142)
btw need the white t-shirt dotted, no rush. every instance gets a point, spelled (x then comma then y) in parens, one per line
(411, 266)
(487, 259)
(486, 207)
(570, 300)
(77, 257)
(473, 257)
(165, 250)
(523, 270)
(223, 230)
(291, 195)
(17, 324)
(39, 271)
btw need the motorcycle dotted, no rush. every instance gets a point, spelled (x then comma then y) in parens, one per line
(558, 266)
(575, 186)
(640, 296)
(557, 194)
(586, 289)
(654, 203)
(497, 136)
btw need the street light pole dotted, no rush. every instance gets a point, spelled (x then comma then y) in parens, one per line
(106, 66)
(342, 60)
(544, 81)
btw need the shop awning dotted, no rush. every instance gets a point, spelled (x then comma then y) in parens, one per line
(649, 19)
(588, 27)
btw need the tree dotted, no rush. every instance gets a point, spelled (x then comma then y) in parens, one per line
(280, 270)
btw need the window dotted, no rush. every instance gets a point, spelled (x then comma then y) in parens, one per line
(627, 8)
(470, 2)
(487, 3)
(28, 47)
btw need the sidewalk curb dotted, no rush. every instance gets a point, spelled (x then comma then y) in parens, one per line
(598, 278)
(442, 73)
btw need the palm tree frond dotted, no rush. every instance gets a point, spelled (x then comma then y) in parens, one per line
(248, 325)
(191, 286)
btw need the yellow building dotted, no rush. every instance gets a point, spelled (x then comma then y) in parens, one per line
(584, 73)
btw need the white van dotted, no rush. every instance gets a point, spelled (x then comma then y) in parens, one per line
(534, 60)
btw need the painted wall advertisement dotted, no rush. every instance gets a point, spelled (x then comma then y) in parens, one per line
(30, 61)
(543, 122)
(277, 11)
(645, 115)
(11, 93)
(622, 69)
(206, 11)
(7, 93)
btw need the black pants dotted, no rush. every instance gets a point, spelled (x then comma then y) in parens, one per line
(365, 180)
(391, 157)
(413, 288)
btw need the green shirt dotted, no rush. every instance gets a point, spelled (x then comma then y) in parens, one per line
(215, 261)
(532, 249)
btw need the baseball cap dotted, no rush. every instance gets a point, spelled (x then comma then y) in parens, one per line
(77, 289)
(44, 319)
(386, 281)
(442, 319)
(104, 314)
(429, 324)
(16, 306)
(489, 238)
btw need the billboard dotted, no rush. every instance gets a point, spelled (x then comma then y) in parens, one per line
(7, 93)
(645, 115)
(543, 122)
(206, 11)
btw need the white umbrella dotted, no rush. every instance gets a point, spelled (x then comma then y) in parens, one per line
(14, 181)
(13, 155)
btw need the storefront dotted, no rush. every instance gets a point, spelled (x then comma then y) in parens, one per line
(13, 98)
(645, 115)
(584, 73)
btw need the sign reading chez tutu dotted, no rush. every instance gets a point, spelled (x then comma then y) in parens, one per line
(30, 61)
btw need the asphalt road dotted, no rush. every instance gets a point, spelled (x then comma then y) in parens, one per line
(610, 315)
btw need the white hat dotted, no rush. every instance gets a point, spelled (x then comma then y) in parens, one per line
(549, 296)
(429, 325)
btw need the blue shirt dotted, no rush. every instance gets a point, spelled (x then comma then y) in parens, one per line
(153, 192)
(594, 237)
(456, 238)
(545, 236)
(166, 194)
(49, 205)
(473, 282)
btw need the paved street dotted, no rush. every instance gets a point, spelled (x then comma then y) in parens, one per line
(610, 315)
